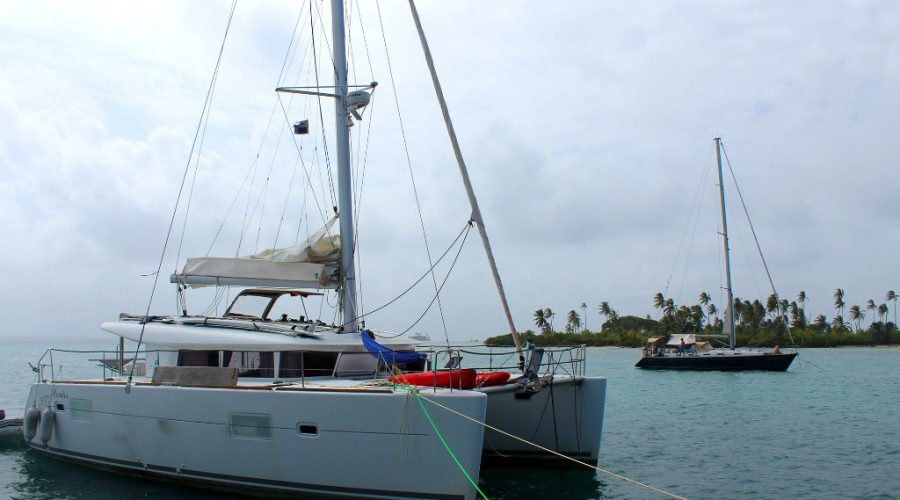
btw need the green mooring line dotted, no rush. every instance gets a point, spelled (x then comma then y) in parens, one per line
(415, 393)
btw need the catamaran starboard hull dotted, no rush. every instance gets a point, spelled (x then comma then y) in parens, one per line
(339, 444)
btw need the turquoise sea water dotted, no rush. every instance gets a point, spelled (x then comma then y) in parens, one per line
(827, 428)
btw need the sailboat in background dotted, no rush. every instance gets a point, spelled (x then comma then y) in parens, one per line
(266, 400)
(684, 352)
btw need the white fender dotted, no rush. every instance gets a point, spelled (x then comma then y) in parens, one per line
(45, 426)
(32, 418)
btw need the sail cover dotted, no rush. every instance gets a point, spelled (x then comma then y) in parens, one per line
(675, 339)
(311, 264)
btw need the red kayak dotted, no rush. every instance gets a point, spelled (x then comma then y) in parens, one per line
(488, 379)
(461, 379)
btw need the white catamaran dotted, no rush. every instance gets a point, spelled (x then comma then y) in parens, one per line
(279, 403)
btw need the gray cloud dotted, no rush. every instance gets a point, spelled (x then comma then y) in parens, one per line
(587, 127)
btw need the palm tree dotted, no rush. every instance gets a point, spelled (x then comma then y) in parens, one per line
(759, 314)
(704, 298)
(738, 307)
(837, 324)
(669, 308)
(583, 308)
(697, 316)
(882, 312)
(839, 301)
(772, 305)
(540, 320)
(857, 314)
(802, 298)
(712, 310)
(659, 302)
(548, 315)
(871, 306)
(821, 323)
(893, 296)
(613, 316)
(604, 309)
(573, 322)
(797, 318)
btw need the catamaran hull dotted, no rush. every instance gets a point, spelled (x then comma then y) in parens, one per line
(720, 362)
(348, 444)
(566, 416)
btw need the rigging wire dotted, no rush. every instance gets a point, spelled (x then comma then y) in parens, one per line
(322, 210)
(289, 54)
(178, 197)
(462, 234)
(251, 171)
(411, 175)
(361, 168)
(319, 101)
(307, 179)
(285, 66)
(437, 292)
(286, 200)
(261, 199)
(753, 232)
(285, 69)
(694, 209)
(358, 198)
(698, 206)
(204, 117)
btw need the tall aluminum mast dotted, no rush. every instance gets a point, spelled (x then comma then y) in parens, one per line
(342, 142)
(470, 192)
(729, 310)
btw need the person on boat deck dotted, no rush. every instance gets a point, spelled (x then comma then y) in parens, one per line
(681, 347)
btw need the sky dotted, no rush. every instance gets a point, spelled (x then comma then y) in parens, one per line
(587, 128)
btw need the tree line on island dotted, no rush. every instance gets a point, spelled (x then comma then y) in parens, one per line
(773, 322)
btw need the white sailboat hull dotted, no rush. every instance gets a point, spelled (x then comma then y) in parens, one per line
(338, 443)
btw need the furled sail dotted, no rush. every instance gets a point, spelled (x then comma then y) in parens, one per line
(311, 264)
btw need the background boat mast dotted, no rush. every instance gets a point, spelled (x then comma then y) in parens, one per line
(342, 143)
(729, 309)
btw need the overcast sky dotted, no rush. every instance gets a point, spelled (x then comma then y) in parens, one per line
(587, 128)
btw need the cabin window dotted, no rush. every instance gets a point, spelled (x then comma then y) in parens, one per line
(250, 425)
(198, 358)
(356, 364)
(250, 363)
(296, 364)
(249, 306)
(288, 308)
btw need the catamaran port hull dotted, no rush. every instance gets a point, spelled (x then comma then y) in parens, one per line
(566, 416)
(337, 443)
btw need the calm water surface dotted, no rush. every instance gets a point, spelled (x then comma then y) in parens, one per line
(827, 428)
